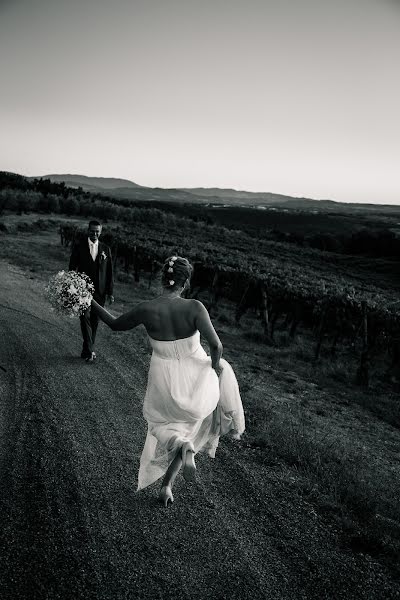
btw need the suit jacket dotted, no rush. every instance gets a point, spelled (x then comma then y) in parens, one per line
(100, 270)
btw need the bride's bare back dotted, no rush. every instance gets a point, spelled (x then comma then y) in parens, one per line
(169, 319)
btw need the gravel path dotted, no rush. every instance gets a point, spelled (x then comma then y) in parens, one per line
(72, 525)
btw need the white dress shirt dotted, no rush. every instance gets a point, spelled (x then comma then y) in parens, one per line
(93, 248)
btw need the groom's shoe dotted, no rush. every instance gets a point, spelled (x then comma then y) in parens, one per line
(91, 358)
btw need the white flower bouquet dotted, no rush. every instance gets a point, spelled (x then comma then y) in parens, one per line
(70, 293)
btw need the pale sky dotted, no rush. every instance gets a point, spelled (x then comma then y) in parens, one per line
(298, 97)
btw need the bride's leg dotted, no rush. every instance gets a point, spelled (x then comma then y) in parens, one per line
(169, 478)
(173, 470)
(184, 456)
(189, 466)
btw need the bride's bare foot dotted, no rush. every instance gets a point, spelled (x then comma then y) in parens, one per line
(189, 466)
(166, 495)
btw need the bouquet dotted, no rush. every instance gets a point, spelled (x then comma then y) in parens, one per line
(70, 293)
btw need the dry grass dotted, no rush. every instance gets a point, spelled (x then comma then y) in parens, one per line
(335, 473)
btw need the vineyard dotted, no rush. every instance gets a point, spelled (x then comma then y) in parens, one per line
(264, 276)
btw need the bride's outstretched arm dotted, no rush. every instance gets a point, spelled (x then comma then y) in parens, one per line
(128, 320)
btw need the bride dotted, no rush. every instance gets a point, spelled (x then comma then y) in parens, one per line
(191, 398)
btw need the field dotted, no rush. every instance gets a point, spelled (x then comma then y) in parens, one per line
(261, 219)
(305, 506)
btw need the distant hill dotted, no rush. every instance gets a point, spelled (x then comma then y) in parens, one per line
(227, 193)
(261, 198)
(90, 183)
(124, 188)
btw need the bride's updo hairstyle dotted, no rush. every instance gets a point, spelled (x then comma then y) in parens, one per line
(176, 270)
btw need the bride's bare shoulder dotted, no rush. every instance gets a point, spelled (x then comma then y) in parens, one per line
(196, 303)
(150, 304)
(196, 306)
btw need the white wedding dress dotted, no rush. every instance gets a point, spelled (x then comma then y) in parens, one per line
(186, 401)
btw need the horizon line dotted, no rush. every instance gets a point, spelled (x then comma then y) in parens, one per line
(217, 187)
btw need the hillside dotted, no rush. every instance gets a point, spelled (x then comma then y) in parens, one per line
(129, 190)
(262, 198)
(90, 183)
(123, 188)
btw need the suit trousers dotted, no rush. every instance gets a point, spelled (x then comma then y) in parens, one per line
(89, 322)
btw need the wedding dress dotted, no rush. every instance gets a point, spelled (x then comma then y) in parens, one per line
(185, 401)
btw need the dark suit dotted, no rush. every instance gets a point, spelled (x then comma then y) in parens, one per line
(100, 272)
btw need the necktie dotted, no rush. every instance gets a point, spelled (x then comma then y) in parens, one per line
(93, 248)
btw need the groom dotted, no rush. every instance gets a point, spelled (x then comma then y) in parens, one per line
(93, 258)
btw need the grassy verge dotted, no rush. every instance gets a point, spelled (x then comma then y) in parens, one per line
(335, 473)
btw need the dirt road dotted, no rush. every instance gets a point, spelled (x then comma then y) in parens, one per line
(73, 526)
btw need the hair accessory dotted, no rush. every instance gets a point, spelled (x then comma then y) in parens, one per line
(171, 282)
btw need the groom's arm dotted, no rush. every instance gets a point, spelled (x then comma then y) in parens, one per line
(128, 320)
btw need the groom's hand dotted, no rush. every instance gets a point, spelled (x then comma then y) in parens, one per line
(110, 298)
(218, 370)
